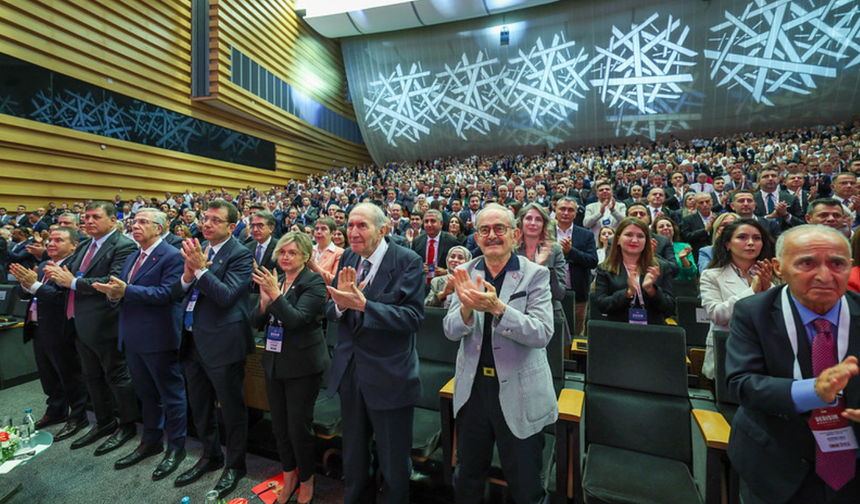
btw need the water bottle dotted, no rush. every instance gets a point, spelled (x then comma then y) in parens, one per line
(30, 421)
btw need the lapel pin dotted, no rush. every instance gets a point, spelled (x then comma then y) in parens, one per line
(515, 276)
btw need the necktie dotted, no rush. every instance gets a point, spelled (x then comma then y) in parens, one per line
(365, 270)
(259, 255)
(189, 315)
(137, 265)
(835, 468)
(431, 255)
(70, 307)
(770, 203)
(362, 276)
(846, 202)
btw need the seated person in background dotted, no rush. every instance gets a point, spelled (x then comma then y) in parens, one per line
(707, 253)
(442, 287)
(740, 268)
(683, 252)
(629, 286)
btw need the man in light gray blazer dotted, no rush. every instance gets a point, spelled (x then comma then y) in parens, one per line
(503, 393)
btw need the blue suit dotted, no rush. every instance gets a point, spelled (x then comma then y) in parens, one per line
(149, 330)
(375, 370)
(214, 351)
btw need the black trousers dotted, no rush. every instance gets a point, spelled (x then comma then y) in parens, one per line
(291, 402)
(393, 432)
(207, 386)
(107, 379)
(60, 375)
(480, 424)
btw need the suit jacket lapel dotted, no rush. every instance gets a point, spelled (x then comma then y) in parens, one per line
(852, 391)
(512, 281)
(100, 252)
(225, 251)
(150, 261)
(382, 278)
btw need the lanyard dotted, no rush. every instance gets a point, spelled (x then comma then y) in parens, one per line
(638, 293)
(791, 329)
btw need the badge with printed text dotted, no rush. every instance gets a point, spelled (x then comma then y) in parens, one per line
(832, 432)
(638, 316)
(274, 339)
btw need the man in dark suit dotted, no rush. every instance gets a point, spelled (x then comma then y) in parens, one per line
(308, 214)
(378, 300)
(580, 256)
(17, 251)
(743, 204)
(791, 363)
(698, 229)
(720, 196)
(263, 246)
(675, 194)
(398, 223)
(96, 322)
(781, 207)
(217, 337)
(433, 245)
(53, 342)
(794, 185)
(149, 324)
(469, 215)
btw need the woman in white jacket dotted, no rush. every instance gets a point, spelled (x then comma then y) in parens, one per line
(740, 268)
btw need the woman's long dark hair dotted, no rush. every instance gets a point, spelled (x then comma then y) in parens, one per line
(722, 256)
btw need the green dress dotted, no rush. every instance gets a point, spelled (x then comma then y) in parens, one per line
(684, 273)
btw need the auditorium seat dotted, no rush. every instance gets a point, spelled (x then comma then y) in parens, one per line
(327, 419)
(637, 420)
(727, 405)
(436, 357)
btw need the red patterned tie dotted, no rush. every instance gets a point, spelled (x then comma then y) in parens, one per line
(137, 266)
(431, 255)
(835, 468)
(70, 307)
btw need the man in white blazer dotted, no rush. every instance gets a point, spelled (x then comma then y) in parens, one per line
(503, 392)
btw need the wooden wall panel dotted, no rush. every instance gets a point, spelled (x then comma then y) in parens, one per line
(143, 50)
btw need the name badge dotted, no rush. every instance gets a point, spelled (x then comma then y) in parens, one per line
(79, 274)
(274, 339)
(193, 301)
(832, 432)
(607, 222)
(638, 316)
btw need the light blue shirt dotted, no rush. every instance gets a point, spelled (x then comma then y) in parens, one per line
(803, 391)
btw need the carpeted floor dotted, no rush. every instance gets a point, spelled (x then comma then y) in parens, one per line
(60, 475)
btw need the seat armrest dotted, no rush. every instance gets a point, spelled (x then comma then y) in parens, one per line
(570, 405)
(447, 391)
(714, 428)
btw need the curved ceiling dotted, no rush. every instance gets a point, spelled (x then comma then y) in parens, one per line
(336, 19)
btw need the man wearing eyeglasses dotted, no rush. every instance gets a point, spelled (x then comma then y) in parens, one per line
(503, 392)
(263, 245)
(216, 339)
(149, 332)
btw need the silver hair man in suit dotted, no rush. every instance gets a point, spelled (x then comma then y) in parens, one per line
(503, 392)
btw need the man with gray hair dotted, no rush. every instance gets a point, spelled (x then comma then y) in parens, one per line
(791, 363)
(502, 316)
(377, 298)
(149, 332)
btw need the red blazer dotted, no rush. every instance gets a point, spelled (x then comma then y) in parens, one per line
(854, 279)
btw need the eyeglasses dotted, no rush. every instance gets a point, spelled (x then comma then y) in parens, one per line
(142, 222)
(498, 229)
(214, 220)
